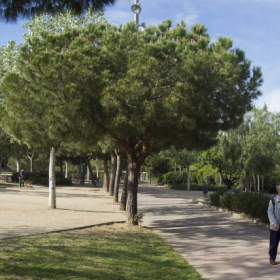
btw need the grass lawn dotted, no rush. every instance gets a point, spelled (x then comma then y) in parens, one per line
(107, 253)
(3, 185)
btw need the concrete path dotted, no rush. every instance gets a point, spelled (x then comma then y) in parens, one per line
(217, 245)
(25, 211)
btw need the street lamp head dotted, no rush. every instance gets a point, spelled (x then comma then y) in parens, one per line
(136, 9)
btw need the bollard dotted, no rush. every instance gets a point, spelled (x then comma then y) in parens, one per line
(19, 181)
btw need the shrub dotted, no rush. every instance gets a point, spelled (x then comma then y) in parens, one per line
(226, 200)
(253, 204)
(42, 178)
(198, 187)
(215, 197)
(172, 178)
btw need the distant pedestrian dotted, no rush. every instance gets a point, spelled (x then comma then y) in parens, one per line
(274, 218)
(23, 176)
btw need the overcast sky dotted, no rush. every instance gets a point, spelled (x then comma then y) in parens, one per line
(254, 25)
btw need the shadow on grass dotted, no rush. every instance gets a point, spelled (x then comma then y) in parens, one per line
(93, 254)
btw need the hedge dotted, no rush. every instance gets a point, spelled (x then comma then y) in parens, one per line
(253, 204)
(42, 178)
(198, 187)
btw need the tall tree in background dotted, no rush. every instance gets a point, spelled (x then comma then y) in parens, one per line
(13, 10)
(43, 94)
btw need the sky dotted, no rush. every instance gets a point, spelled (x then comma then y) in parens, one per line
(254, 26)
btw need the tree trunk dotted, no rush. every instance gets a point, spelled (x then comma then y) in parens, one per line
(97, 171)
(113, 173)
(150, 178)
(66, 169)
(124, 193)
(117, 178)
(258, 180)
(247, 184)
(52, 185)
(254, 183)
(87, 161)
(88, 175)
(189, 178)
(84, 173)
(180, 170)
(31, 162)
(105, 175)
(262, 183)
(17, 165)
(132, 190)
(80, 171)
(61, 167)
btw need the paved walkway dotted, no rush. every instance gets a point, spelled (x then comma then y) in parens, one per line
(217, 245)
(25, 211)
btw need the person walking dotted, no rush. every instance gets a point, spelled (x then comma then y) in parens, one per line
(274, 218)
(23, 176)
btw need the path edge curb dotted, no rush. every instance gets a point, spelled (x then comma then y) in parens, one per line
(62, 230)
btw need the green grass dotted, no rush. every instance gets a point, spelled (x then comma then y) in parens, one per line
(3, 185)
(105, 253)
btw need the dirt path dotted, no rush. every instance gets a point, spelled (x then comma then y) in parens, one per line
(25, 211)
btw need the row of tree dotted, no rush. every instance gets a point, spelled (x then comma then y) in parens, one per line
(81, 85)
(243, 157)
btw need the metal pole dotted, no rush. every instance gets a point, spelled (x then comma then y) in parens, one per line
(136, 16)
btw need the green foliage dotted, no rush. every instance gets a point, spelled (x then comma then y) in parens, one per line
(41, 178)
(197, 187)
(172, 178)
(253, 204)
(207, 175)
(13, 10)
(215, 197)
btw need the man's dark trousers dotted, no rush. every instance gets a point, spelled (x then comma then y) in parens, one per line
(273, 245)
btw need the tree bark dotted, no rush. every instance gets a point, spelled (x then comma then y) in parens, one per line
(254, 183)
(66, 169)
(262, 183)
(189, 178)
(124, 193)
(113, 173)
(87, 161)
(61, 167)
(258, 180)
(31, 161)
(80, 171)
(84, 173)
(52, 184)
(247, 184)
(117, 178)
(97, 171)
(17, 165)
(106, 175)
(132, 190)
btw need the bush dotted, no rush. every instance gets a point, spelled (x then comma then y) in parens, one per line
(226, 201)
(172, 178)
(42, 178)
(198, 187)
(253, 204)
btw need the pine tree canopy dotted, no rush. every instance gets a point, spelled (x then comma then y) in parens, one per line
(11, 10)
(167, 86)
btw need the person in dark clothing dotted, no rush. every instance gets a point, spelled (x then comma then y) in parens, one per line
(274, 218)
(23, 176)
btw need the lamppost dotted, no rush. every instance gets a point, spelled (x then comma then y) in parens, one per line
(136, 9)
